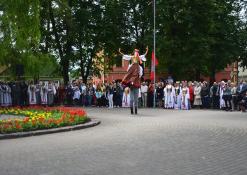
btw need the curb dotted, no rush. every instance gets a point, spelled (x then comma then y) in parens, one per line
(91, 123)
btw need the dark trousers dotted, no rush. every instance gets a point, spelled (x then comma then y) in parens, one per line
(150, 99)
(76, 102)
(117, 100)
(235, 102)
(206, 102)
(216, 102)
(83, 100)
(227, 99)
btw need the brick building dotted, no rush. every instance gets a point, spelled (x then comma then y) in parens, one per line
(118, 72)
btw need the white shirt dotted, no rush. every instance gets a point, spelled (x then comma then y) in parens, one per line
(144, 88)
(83, 89)
(128, 57)
(77, 94)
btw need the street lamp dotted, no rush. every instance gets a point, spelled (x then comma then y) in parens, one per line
(154, 47)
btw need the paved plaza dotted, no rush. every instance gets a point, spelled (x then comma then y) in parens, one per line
(156, 142)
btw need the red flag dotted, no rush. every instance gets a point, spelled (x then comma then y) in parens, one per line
(152, 66)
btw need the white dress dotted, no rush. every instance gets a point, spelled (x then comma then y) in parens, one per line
(177, 98)
(222, 101)
(169, 96)
(185, 97)
(43, 94)
(32, 94)
(126, 100)
(197, 93)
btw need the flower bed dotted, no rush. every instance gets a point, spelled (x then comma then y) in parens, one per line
(34, 118)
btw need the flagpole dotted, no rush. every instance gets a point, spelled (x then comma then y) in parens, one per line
(154, 33)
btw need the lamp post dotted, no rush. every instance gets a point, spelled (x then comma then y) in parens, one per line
(154, 47)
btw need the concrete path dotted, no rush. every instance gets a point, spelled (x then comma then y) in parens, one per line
(156, 142)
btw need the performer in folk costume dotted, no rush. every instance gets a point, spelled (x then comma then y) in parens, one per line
(37, 93)
(43, 94)
(51, 93)
(32, 94)
(185, 96)
(169, 95)
(133, 76)
(177, 98)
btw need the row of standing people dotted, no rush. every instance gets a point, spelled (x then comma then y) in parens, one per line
(187, 95)
(178, 95)
(23, 94)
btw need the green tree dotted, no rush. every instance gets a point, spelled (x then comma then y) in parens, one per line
(19, 32)
(127, 25)
(198, 37)
(88, 36)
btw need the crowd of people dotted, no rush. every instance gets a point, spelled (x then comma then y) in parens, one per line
(169, 95)
(21, 93)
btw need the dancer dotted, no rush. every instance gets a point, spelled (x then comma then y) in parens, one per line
(133, 76)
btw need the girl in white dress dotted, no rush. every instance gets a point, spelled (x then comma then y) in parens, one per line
(126, 98)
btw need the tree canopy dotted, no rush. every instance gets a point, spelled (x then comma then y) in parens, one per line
(194, 38)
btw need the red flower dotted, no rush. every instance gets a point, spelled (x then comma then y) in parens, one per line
(6, 126)
(34, 122)
(26, 119)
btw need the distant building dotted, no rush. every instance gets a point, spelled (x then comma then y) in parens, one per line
(118, 71)
(229, 73)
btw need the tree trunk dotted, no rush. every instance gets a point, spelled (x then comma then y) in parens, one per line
(65, 57)
(89, 65)
(65, 70)
(64, 60)
(84, 79)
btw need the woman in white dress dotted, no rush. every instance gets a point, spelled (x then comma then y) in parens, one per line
(169, 96)
(126, 98)
(185, 97)
(32, 94)
(177, 96)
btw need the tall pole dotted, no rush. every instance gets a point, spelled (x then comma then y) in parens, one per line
(154, 100)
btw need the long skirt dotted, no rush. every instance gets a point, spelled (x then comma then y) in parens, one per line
(132, 77)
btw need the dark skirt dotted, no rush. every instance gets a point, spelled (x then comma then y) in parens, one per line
(132, 77)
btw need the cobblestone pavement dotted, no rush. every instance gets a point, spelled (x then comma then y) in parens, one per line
(156, 142)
